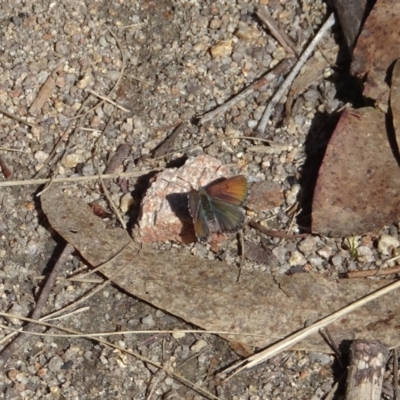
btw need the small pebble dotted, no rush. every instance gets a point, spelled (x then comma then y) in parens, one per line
(296, 258)
(387, 244)
(198, 346)
(72, 160)
(222, 49)
(148, 320)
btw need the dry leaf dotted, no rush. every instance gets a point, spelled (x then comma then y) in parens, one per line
(377, 47)
(358, 187)
(207, 294)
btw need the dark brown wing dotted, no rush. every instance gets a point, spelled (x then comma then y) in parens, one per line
(197, 213)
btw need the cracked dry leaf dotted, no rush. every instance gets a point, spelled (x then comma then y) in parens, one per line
(207, 294)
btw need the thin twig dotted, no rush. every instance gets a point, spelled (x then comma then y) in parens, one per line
(293, 73)
(105, 191)
(269, 76)
(133, 174)
(12, 116)
(291, 340)
(274, 233)
(283, 39)
(324, 332)
(373, 272)
(108, 100)
(40, 304)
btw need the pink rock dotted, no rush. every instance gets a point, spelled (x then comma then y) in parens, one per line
(164, 211)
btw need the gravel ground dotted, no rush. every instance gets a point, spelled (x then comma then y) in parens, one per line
(171, 76)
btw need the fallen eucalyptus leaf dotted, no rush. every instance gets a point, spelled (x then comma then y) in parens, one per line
(207, 294)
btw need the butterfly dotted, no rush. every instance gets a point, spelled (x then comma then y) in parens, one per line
(217, 207)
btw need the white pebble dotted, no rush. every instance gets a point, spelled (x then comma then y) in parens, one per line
(72, 160)
(148, 320)
(198, 346)
(325, 252)
(296, 258)
(387, 243)
(178, 335)
(41, 156)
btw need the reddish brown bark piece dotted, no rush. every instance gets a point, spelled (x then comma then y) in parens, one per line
(207, 294)
(358, 187)
(366, 370)
(377, 47)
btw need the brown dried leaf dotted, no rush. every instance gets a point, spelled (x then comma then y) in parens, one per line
(358, 186)
(377, 47)
(207, 294)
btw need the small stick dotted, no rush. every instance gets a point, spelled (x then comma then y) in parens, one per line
(324, 332)
(277, 71)
(12, 116)
(373, 272)
(4, 169)
(366, 370)
(283, 39)
(107, 99)
(293, 73)
(40, 304)
(278, 234)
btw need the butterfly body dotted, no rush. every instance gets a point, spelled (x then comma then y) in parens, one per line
(217, 207)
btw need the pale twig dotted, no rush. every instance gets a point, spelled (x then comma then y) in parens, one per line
(283, 39)
(305, 332)
(14, 150)
(71, 279)
(118, 333)
(214, 142)
(269, 76)
(293, 73)
(133, 174)
(108, 100)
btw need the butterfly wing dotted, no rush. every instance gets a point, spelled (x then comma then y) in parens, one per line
(231, 190)
(197, 213)
(230, 217)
